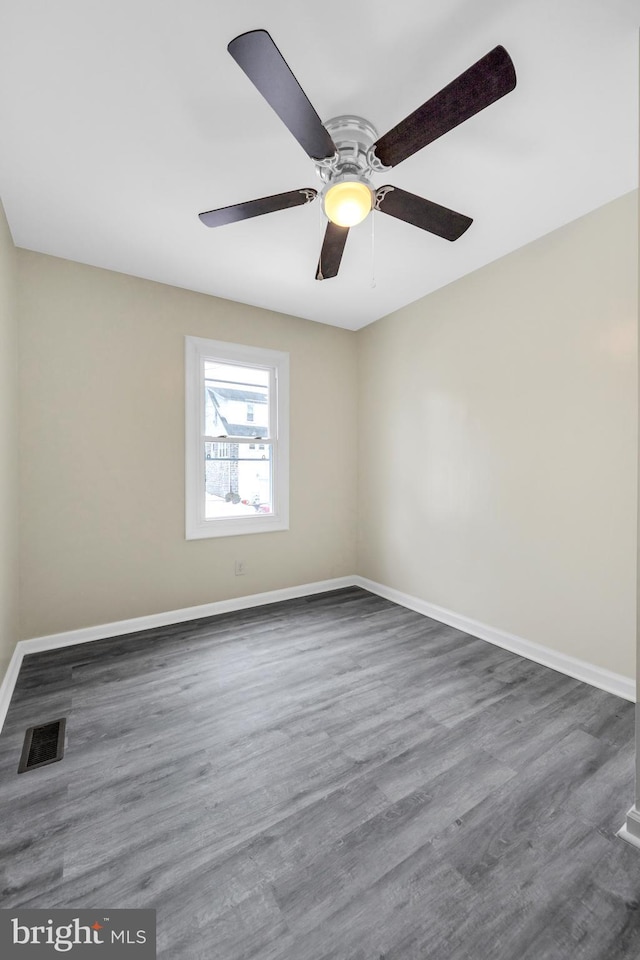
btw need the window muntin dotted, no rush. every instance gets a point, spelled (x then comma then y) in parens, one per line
(234, 484)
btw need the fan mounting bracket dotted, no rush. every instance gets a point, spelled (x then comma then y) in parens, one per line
(375, 163)
(380, 194)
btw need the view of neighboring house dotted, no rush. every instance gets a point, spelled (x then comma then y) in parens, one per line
(237, 458)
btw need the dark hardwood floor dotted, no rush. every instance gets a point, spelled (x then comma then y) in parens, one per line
(333, 778)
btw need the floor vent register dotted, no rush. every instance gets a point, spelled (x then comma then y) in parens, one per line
(42, 745)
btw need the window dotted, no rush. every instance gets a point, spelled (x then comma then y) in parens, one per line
(236, 395)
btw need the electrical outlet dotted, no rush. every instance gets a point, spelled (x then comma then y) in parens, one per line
(241, 568)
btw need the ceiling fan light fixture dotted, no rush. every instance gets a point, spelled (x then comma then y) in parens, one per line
(347, 151)
(348, 202)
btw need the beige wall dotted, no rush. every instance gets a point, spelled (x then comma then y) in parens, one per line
(8, 448)
(497, 458)
(497, 462)
(102, 450)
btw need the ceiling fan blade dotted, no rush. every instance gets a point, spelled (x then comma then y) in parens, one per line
(335, 238)
(482, 84)
(256, 54)
(421, 213)
(255, 208)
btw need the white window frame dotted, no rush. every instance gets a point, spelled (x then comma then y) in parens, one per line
(197, 351)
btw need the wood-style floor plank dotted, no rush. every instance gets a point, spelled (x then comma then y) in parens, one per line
(331, 778)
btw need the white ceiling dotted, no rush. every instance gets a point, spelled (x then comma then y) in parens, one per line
(121, 120)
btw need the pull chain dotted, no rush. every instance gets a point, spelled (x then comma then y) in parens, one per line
(321, 230)
(373, 250)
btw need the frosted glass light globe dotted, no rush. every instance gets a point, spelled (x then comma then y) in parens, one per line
(347, 203)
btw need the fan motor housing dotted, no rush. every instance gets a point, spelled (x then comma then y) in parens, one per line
(353, 136)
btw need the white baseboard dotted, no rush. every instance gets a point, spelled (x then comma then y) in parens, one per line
(579, 669)
(9, 682)
(630, 831)
(624, 834)
(614, 683)
(120, 627)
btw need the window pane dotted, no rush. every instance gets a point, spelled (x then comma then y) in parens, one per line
(237, 480)
(236, 400)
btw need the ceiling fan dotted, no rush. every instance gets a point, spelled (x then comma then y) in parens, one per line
(347, 151)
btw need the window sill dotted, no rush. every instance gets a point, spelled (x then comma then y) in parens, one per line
(235, 526)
